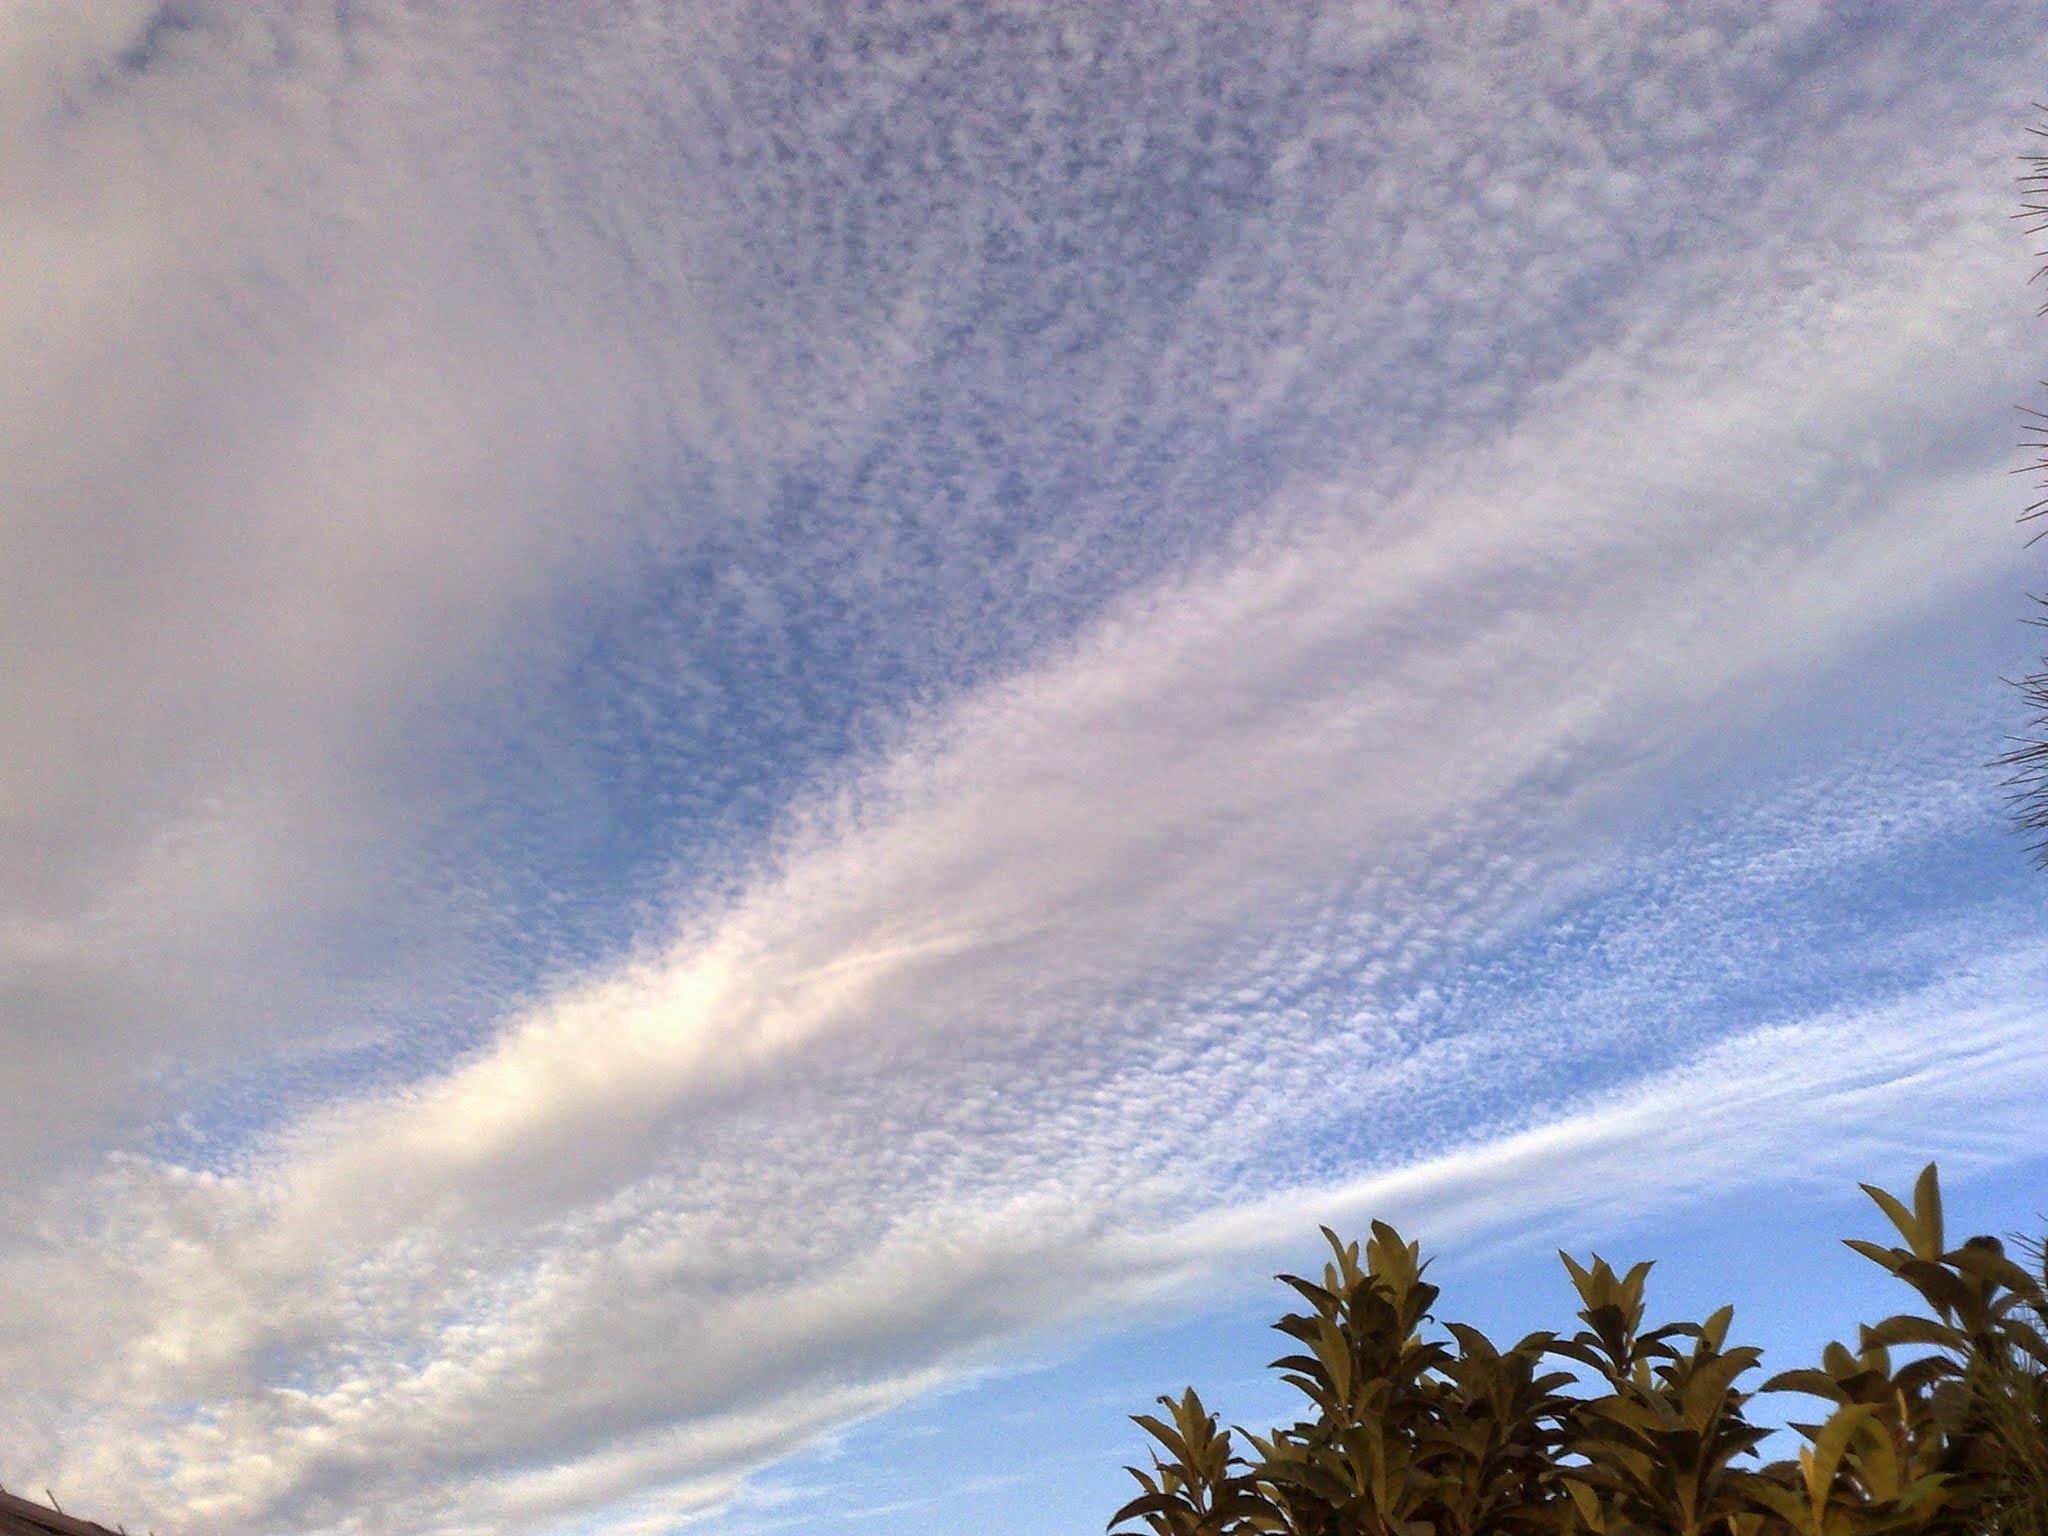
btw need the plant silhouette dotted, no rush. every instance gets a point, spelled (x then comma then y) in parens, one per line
(1410, 1434)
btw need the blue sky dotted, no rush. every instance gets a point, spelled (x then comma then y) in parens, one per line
(748, 748)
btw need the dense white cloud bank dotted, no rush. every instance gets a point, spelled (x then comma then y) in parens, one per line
(717, 710)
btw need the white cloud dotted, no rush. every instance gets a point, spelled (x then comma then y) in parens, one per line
(488, 1263)
(1814, 1102)
(408, 372)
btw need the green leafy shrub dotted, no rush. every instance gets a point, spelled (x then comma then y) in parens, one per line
(1410, 1435)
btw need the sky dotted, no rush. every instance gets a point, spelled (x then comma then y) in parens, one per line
(745, 749)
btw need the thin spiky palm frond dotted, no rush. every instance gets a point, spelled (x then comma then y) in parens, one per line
(2025, 762)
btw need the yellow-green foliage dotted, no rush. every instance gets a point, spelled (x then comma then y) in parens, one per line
(1418, 1436)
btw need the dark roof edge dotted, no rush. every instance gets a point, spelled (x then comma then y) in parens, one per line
(22, 1517)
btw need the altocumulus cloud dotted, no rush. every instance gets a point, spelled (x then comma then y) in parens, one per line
(717, 706)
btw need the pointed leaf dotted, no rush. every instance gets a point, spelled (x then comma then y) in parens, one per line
(1829, 1446)
(1165, 1434)
(1715, 1329)
(1927, 1212)
(1147, 1504)
(1708, 1388)
(1979, 1258)
(1581, 1280)
(1813, 1383)
(1907, 1329)
(1877, 1253)
(2029, 1339)
(1895, 1208)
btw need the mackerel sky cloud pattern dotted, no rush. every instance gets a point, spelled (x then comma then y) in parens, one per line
(713, 712)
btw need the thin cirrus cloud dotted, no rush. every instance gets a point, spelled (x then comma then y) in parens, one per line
(722, 708)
